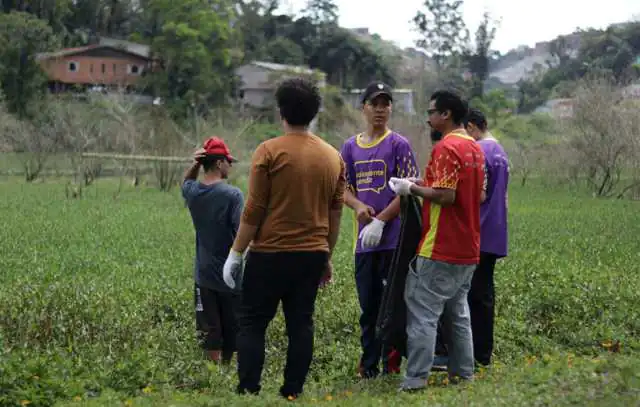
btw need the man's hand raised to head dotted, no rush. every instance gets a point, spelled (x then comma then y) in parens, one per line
(199, 154)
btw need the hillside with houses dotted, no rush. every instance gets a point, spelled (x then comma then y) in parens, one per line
(160, 54)
(530, 64)
(119, 64)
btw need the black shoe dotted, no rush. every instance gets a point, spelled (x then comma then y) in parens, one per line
(289, 395)
(440, 363)
(368, 373)
(244, 391)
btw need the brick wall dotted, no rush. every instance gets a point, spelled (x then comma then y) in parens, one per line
(116, 69)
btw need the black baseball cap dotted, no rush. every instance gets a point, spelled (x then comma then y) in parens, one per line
(376, 89)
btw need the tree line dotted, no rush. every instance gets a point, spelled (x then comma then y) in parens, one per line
(612, 52)
(201, 42)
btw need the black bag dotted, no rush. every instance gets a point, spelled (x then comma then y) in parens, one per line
(392, 315)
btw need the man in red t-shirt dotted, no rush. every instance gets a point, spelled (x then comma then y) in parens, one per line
(440, 276)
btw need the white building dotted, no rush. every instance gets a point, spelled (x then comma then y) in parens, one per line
(259, 81)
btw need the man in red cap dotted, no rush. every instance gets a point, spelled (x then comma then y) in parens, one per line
(216, 208)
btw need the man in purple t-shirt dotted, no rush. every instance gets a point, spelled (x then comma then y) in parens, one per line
(493, 236)
(371, 159)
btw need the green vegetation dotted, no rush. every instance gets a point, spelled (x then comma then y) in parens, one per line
(97, 307)
(22, 81)
(197, 45)
(96, 300)
(613, 51)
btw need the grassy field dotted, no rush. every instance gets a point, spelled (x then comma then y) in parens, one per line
(96, 308)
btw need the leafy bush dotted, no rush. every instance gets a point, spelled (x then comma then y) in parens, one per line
(97, 303)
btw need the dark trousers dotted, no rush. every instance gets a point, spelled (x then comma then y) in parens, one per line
(481, 300)
(290, 277)
(371, 272)
(216, 319)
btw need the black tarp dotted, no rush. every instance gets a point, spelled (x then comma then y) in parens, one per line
(392, 315)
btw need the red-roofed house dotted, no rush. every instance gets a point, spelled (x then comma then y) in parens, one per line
(97, 65)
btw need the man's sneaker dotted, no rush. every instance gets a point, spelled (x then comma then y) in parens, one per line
(411, 385)
(440, 363)
(214, 355)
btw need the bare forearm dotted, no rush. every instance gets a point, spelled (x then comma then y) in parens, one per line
(350, 199)
(441, 197)
(192, 172)
(246, 233)
(334, 228)
(391, 211)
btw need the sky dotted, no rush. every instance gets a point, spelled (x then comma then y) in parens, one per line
(523, 22)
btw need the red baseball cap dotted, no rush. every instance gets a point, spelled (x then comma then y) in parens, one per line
(216, 146)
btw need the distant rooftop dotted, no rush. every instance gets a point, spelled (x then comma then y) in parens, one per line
(65, 52)
(399, 90)
(132, 47)
(361, 30)
(125, 46)
(272, 66)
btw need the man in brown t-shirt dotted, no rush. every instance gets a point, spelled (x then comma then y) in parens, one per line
(292, 220)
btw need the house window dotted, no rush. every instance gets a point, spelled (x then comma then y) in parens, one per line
(134, 69)
(73, 66)
(104, 68)
(91, 68)
(115, 68)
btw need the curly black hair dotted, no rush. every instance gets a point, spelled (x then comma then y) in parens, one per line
(298, 101)
(446, 100)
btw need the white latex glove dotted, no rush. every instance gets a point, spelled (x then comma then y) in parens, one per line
(401, 186)
(232, 268)
(371, 234)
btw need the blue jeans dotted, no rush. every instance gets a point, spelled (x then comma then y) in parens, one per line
(435, 288)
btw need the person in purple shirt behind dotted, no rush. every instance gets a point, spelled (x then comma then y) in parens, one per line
(371, 159)
(493, 236)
